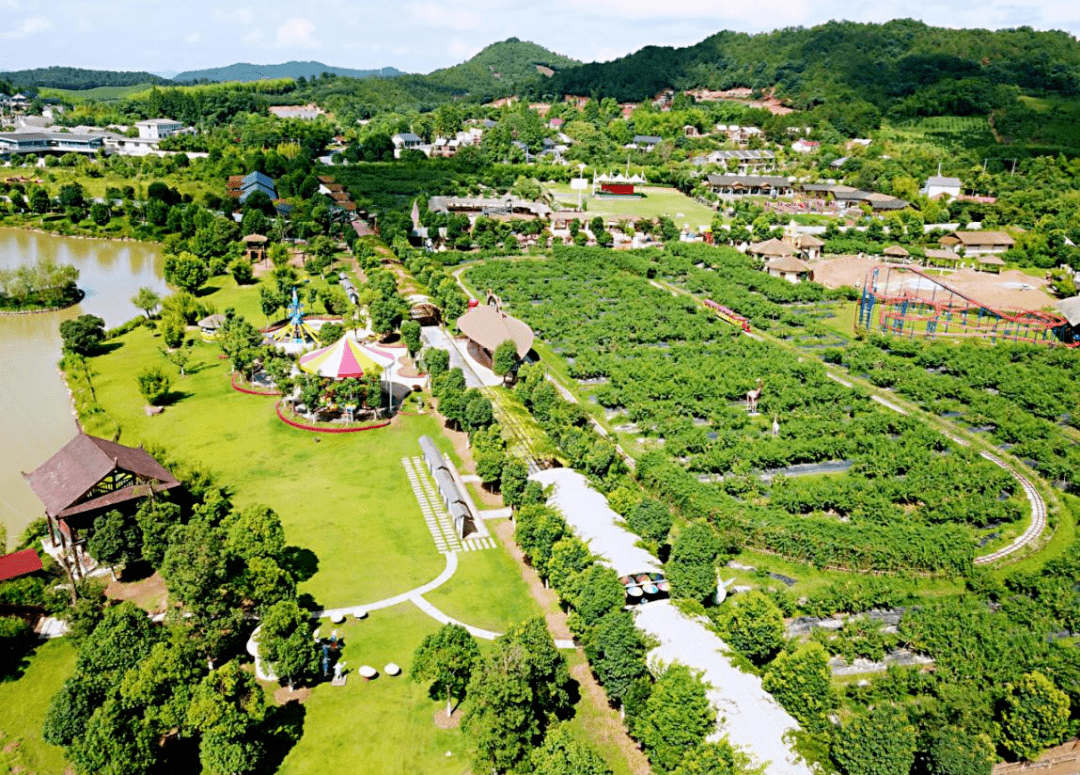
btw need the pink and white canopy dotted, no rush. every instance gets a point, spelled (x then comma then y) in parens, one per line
(345, 358)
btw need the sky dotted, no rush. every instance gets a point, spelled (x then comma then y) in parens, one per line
(422, 35)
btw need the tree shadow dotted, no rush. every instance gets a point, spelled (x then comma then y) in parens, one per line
(573, 692)
(136, 571)
(301, 563)
(179, 754)
(104, 348)
(17, 657)
(206, 290)
(172, 397)
(281, 730)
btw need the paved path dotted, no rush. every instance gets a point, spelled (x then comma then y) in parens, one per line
(416, 597)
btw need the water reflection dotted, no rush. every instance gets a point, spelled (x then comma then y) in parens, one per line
(36, 418)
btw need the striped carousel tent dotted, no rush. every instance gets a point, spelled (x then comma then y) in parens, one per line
(345, 358)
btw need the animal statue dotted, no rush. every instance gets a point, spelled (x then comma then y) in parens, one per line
(775, 425)
(752, 397)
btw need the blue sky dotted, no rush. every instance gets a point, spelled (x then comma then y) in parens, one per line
(422, 35)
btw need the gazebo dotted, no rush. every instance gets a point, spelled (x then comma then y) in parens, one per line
(346, 358)
(255, 247)
(897, 252)
(89, 476)
(789, 268)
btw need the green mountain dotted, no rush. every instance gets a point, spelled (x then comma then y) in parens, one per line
(904, 66)
(77, 78)
(502, 68)
(508, 67)
(243, 71)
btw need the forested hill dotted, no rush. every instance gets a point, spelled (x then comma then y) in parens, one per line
(77, 78)
(509, 67)
(502, 67)
(243, 71)
(903, 66)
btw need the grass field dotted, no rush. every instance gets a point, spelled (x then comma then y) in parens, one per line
(656, 202)
(343, 496)
(22, 711)
(381, 727)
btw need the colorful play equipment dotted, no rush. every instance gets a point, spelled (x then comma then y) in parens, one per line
(346, 358)
(906, 301)
(296, 331)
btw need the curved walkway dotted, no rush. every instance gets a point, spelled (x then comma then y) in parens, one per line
(1038, 514)
(416, 597)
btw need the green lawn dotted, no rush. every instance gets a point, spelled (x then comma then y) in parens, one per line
(487, 591)
(381, 727)
(345, 497)
(22, 711)
(656, 202)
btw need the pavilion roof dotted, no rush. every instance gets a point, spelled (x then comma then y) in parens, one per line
(772, 247)
(62, 480)
(19, 564)
(489, 328)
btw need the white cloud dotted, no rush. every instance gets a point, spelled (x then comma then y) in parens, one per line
(255, 36)
(33, 25)
(461, 50)
(438, 15)
(297, 33)
(193, 37)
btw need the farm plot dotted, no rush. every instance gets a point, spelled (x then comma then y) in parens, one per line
(679, 377)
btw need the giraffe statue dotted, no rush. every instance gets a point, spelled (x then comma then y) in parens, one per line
(775, 425)
(752, 397)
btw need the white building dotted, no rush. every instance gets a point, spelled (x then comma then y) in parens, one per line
(939, 186)
(158, 128)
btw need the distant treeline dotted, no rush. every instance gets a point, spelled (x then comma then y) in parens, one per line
(903, 66)
(77, 78)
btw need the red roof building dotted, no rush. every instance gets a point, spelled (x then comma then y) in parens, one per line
(19, 564)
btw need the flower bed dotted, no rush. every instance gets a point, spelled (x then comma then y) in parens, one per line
(326, 428)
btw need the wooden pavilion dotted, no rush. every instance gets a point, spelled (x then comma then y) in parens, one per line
(88, 477)
(255, 247)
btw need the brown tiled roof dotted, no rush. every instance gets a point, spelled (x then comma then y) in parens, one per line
(83, 462)
(325, 178)
(489, 328)
(788, 264)
(772, 247)
(978, 238)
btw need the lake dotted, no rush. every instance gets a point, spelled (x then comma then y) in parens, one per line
(37, 416)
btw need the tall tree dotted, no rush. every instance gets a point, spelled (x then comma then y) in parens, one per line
(562, 754)
(1035, 716)
(616, 651)
(692, 565)
(799, 680)
(754, 625)
(146, 300)
(677, 717)
(286, 644)
(881, 742)
(447, 658)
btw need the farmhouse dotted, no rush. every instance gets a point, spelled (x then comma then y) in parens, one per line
(741, 161)
(750, 185)
(646, 142)
(406, 141)
(487, 327)
(89, 476)
(937, 186)
(789, 268)
(158, 128)
(979, 243)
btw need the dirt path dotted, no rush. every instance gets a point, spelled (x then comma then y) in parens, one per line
(605, 724)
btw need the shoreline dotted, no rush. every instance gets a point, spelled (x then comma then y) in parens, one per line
(43, 310)
(37, 230)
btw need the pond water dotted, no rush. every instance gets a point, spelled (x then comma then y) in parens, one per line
(37, 416)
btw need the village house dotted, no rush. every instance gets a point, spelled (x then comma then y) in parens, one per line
(803, 145)
(740, 161)
(49, 142)
(937, 186)
(406, 141)
(978, 243)
(750, 185)
(158, 128)
(646, 142)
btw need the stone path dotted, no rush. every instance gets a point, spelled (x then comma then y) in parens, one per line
(435, 515)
